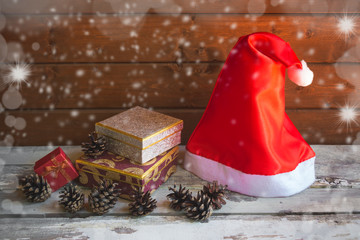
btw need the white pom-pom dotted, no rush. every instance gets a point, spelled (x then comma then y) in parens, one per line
(302, 77)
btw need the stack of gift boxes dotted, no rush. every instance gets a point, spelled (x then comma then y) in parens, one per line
(141, 151)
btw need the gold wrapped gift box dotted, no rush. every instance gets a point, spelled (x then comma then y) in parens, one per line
(129, 174)
(140, 134)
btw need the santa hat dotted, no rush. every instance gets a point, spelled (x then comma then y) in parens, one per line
(244, 138)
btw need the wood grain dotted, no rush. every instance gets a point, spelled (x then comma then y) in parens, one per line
(84, 55)
(167, 38)
(316, 212)
(176, 7)
(71, 127)
(168, 85)
(326, 226)
(308, 202)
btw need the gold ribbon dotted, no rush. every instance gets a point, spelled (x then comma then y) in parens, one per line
(57, 168)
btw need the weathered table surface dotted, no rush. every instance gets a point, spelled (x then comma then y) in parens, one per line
(329, 209)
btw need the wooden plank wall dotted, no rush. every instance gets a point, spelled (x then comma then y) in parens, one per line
(92, 59)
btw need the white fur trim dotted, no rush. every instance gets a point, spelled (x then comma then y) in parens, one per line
(279, 185)
(302, 77)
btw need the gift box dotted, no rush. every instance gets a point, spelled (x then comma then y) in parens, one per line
(56, 168)
(140, 134)
(129, 174)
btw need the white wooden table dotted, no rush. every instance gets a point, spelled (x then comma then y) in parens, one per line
(330, 209)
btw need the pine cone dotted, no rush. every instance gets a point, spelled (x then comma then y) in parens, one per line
(179, 198)
(142, 204)
(35, 188)
(94, 148)
(71, 198)
(104, 197)
(199, 208)
(216, 193)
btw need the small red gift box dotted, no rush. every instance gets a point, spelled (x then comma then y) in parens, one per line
(57, 169)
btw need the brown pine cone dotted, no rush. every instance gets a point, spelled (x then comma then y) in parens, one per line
(103, 197)
(94, 148)
(179, 198)
(71, 198)
(216, 193)
(199, 208)
(35, 188)
(142, 204)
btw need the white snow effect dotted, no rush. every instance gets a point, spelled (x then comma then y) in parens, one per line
(255, 75)
(18, 123)
(10, 121)
(74, 113)
(233, 26)
(186, 18)
(133, 34)
(80, 72)
(274, 3)
(176, 75)
(189, 71)
(87, 96)
(126, 21)
(37, 119)
(167, 22)
(8, 141)
(346, 26)
(299, 35)
(12, 98)
(92, 117)
(90, 52)
(17, 74)
(227, 9)
(14, 206)
(340, 86)
(348, 114)
(35, 46)
(136, 85)
(321, 81)
(311, 51)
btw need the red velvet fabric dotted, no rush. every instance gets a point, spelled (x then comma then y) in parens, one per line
(245, 125)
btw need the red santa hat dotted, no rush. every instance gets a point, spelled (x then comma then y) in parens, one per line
(244, 138)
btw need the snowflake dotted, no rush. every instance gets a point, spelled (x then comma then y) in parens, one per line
(17, 74)
(348, 114)
(346, 26)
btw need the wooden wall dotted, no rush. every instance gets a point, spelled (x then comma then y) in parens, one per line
(92, 59)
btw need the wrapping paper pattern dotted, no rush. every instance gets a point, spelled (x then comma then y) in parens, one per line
(129, 174)
(143, 155)
(57, 169)
(158, 133)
